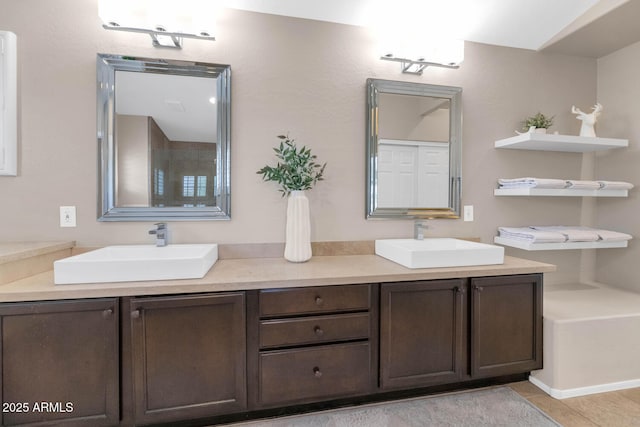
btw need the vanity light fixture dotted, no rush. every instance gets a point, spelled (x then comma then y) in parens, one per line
(165, 23)
(416, 66)
(418, 55)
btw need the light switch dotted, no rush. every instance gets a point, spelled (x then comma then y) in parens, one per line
(468, 213)
(67, 216)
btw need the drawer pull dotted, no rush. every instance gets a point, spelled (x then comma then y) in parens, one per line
(319, 301)
(318, 331)
(135, 314)
(316, 372)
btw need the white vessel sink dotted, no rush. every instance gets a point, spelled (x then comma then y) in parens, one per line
(439, 252)
(136, 263)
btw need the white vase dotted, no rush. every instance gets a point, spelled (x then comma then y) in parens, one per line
(540, 130)
(298, 231)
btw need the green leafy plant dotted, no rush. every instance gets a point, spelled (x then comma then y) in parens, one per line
(296, 168)
(539, 121)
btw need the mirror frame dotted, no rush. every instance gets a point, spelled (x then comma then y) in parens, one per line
(454, 95)
(107, 65)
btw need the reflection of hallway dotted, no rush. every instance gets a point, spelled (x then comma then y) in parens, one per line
(413, 174)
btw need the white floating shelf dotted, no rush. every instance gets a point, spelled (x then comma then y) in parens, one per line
(567, 143)
(527, 246)
(564, 192)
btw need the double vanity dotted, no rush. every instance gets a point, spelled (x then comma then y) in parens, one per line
(259, 336)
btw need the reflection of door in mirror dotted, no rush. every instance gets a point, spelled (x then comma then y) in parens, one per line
(165, 140)
(413, 151)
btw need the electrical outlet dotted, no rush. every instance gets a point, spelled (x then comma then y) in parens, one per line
(468, 213)
(67, 216)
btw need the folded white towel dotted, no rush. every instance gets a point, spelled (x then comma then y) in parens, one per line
(613, 236)
(573, 234)
(615, 185)
(583, 185)
(608, 235)
(530, 235)
(530, 182)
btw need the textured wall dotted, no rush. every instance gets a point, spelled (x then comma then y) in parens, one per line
(619, 92)
(289, 75)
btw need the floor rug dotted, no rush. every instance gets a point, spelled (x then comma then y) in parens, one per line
(487, 407)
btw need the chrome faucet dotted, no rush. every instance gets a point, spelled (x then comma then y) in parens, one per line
(418, 230)
(161, 233)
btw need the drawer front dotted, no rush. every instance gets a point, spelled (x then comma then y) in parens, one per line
(316, 329)
(311, 374)
(319, 299)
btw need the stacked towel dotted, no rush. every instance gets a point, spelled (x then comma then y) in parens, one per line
(574, 184)
(572, 234)
(583, 185)
(531, 235)
(615, 185)
(561, 233)
(532, 183)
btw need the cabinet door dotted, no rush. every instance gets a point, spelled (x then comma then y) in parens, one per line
(421, 333)
(506, 325)
(189, 356)
(59, 363)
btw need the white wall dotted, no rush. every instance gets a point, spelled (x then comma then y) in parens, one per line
(619, 93)
(289, 75)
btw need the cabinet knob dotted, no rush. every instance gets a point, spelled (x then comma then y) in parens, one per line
(135, 314)
(316, 372)
(107, 313)
(478, 288)
(319, 301)
(318, 331)
(460, 289)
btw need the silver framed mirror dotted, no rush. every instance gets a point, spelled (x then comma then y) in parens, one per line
(163, 129)
(413, 150)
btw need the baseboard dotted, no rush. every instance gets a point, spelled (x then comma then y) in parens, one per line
(583, 391)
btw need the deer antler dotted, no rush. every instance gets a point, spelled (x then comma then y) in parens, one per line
(575, 110)
(597, 108)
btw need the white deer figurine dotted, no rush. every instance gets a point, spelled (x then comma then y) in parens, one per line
(588, 120)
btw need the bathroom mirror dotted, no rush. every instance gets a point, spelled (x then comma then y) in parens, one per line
(163, 139)
(413, 150)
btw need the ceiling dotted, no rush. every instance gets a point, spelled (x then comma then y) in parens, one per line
(590, 28)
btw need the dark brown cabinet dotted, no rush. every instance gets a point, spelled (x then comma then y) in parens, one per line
(59, 363)
(311, 344)
(444, 331)
(188, 356)
(422, 333)
(506, 325)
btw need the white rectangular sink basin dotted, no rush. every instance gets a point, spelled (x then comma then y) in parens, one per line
(439, 252)
(131, 263)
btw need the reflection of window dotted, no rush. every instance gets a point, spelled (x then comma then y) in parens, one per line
(158, 182)
(188, 186)
(194, 186)
(202, 186)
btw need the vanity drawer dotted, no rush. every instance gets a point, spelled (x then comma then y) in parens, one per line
(314, 373)
(316, 329)
(295, 301)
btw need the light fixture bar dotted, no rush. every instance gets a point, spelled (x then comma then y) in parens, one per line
(411, 66)
(159, 35)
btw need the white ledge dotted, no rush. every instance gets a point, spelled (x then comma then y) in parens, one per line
(567, 143)
(528, 246)
(564, 192)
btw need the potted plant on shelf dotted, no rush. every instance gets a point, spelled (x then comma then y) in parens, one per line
(296, 171)
(538, 123)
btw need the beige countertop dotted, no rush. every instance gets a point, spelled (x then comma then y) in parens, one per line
(17, 251)
(264, 273)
